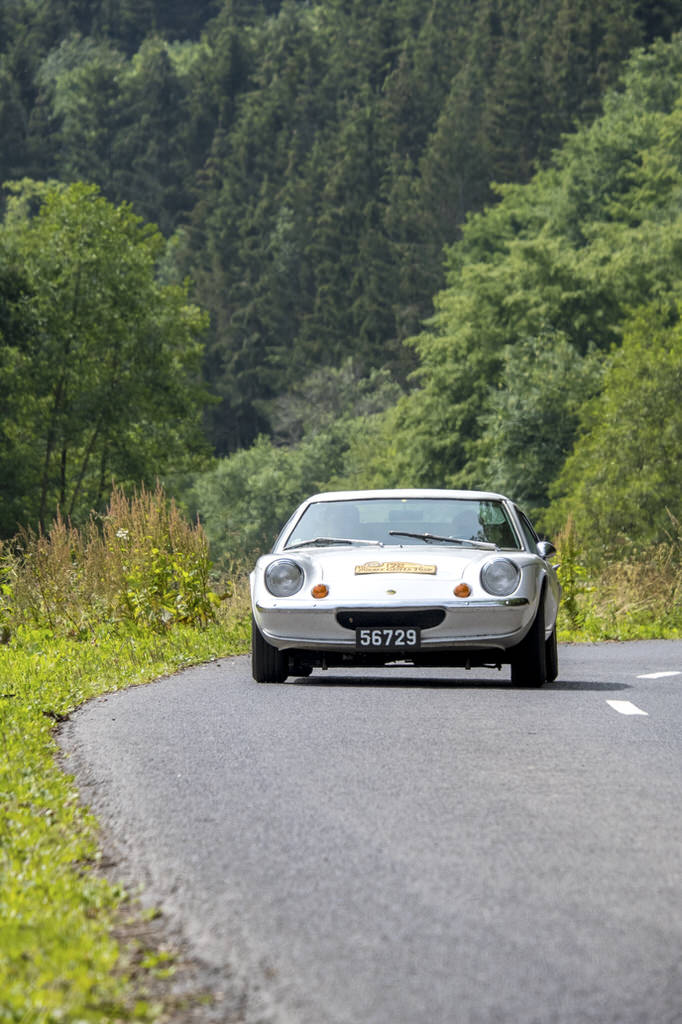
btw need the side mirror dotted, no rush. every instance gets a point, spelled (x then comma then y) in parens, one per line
(546, 549)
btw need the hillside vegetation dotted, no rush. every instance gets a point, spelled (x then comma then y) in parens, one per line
(551, 368)
(398, 243)
(307, 163)
(337, 279)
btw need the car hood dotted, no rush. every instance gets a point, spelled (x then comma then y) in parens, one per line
(425, 560)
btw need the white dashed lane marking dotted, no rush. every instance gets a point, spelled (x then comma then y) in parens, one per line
(626, 707)
(659, 675)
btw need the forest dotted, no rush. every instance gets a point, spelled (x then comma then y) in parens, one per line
(254, 249)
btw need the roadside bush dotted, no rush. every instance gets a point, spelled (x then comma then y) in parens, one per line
(574, 579)
(140, 562)
(638, 598)
(634, 597)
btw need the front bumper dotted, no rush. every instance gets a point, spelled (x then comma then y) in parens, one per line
(491, 624)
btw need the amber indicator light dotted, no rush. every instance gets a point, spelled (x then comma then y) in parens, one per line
(320, 590)
(462, 590)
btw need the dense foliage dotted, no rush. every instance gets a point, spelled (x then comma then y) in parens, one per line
(621, 485)
(540, 289)
(140, 563)
(310, 160)
(559, 319)
(309, 164)
(552, 273)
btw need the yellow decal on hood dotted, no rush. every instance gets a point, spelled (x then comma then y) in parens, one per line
(409, 567)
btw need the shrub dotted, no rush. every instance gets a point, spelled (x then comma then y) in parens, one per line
(633, 597)
(573, 577)
(141, 561)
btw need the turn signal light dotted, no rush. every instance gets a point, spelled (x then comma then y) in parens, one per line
(320, 590)
(462, 590)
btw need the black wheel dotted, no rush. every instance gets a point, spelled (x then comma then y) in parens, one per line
(268, 665)
(529, 660)
(552, 657)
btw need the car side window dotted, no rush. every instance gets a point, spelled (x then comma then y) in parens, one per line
(529, 534)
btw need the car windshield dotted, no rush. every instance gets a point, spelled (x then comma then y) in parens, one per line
(406, 521)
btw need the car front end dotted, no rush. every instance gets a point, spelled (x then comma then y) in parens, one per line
(441, 598)
(426, 577)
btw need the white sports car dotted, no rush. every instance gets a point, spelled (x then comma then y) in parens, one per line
(429, 577)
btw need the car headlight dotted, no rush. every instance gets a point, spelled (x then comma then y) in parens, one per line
(500, 577)
(283, 577)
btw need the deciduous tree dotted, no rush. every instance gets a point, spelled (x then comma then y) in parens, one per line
(108, 357)
(622, 485)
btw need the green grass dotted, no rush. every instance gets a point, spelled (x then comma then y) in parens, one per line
(59, 961)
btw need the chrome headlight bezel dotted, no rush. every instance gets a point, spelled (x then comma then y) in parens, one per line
(283, 577)
(500, 577)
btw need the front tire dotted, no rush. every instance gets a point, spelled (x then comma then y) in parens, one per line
(529, 660)
(268, 665)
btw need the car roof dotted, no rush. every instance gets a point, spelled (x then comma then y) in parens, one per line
(414, 492)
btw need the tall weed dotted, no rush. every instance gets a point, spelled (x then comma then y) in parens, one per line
(140, 562)
(574, 578)
(638, 596)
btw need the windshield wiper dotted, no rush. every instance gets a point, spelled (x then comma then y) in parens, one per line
(427, 537)
(328, 541)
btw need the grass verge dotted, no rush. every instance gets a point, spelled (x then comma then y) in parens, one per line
(59, 961)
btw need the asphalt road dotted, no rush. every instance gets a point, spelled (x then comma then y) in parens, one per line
(423, 847)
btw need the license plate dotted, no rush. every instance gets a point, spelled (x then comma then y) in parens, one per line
(387, 638)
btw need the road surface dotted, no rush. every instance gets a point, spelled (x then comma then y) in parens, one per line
(412, 847)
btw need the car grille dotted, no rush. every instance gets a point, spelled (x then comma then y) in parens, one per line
(423, 618)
